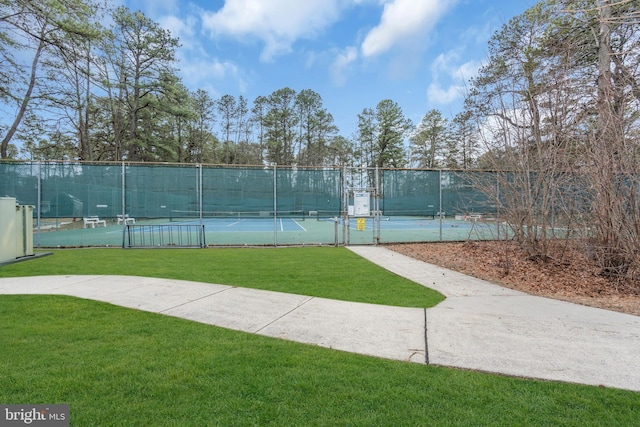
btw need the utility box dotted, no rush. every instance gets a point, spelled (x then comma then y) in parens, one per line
(24, 230)
(16, 230)
(8, 229)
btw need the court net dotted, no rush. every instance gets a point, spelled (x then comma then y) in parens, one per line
(387, 214)
(191, 216)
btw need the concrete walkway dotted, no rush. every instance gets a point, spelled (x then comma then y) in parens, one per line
(486, 327)
(479, 326)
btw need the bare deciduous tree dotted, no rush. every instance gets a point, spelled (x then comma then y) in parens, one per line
(558, 106)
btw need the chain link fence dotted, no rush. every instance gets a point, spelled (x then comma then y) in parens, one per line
(259, 205)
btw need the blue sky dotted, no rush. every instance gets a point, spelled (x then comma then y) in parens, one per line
(354, 53)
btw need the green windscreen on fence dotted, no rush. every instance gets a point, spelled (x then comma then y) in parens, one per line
(20, 180)
(410, 192)
(154, 191)
(309, 190)
(427, 192)
(81, 190)
(466, 192)
(254, 190)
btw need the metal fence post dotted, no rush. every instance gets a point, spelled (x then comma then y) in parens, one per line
(275, 205)
(124, 207)
(498, 205)
(39, 201)
(440, 200)
(345, 206)
(376, 207)
(200, 191)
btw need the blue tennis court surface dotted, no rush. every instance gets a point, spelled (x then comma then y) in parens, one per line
(247, 224)
(408, 223)
(269, 231)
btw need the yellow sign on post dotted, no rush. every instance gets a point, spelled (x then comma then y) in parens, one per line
(362, 224)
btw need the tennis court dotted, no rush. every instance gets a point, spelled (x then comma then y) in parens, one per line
(177, 205)
(248, 225)
(221, 222)
(409, 229)
(228, 231)
(216, 231)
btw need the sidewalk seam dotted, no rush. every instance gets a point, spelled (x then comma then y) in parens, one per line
(197, 299)
(284, 315)
(426, 345)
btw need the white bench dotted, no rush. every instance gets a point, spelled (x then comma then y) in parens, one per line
(93, 221)
(126, 219)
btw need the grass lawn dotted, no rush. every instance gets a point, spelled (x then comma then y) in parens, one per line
(123, 367)
(325, 272)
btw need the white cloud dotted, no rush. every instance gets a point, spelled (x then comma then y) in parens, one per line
(439, 95)
(341, 63)
(467, 70)
(277, 23)
(446, 67)
(158, 7)
(448, 64)
(182, 29)
(207, 73)
(404, 22)
(198, 68)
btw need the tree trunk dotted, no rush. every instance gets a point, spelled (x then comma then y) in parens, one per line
(608, 153)
(4, 144)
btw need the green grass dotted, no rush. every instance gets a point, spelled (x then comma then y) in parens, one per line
(121, 367)
(325, 272)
